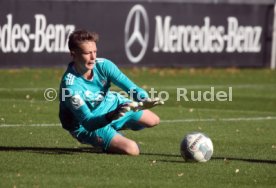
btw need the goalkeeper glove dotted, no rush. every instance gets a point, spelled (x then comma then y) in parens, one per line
(135, 106)
(146, 104)
(118, 112)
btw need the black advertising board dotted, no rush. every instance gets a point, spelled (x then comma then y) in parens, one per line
(162, 34)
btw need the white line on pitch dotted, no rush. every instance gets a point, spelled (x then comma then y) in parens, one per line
(235, 86)
(162, 121)
(31, 125)
(23, 89)
(220, 119)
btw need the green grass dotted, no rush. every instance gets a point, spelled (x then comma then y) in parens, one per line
(241, 130)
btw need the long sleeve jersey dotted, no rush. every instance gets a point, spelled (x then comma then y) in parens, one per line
(86, 102)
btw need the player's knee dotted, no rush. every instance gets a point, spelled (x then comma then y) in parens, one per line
(132, 149)
(155, 120)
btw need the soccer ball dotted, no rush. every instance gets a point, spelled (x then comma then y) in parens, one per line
(196, 147)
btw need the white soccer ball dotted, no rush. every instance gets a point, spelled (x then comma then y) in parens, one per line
(196, 147)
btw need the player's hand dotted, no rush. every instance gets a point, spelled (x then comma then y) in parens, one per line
(118, 112)
(147, 104)
(150, 103)
(135, 106)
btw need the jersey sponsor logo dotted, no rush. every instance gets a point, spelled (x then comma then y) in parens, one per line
(136, 34)
(76, 101)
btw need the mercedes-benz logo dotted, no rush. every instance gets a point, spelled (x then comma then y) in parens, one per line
(136, 33)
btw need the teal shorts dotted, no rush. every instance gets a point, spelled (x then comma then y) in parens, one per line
(103, 136)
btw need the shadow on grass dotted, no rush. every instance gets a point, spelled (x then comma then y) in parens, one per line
(48, 150)
(70, 151)
(245, 160)
(160, 154)
(225, 159)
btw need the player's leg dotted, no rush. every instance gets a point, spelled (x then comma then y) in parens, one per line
(108, 139)
(122, 145)
(137, 121)
(149, 119)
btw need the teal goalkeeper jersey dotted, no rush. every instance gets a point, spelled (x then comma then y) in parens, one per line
(86, 102)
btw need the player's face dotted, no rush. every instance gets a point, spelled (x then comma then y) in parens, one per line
(85, 56)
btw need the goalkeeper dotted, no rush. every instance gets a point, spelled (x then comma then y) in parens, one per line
(90, 111)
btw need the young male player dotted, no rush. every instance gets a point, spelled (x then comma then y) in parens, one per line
(90, 111)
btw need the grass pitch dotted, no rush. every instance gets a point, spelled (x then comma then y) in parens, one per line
(36, 152)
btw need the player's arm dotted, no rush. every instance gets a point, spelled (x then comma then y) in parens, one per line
(86, 117)
(138, 94)
(116, 76)
(83, 114)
